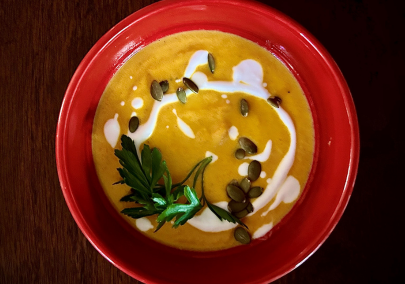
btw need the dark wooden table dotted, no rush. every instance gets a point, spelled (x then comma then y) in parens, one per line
(41, 44)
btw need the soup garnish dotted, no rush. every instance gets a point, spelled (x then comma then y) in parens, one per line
(143, 174)
(211, 63)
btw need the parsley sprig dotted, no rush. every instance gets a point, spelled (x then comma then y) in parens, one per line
(142, 176)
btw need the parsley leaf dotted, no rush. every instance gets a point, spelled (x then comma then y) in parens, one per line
(158, 167)
(146, 157)
(143, 175)
(139, 212)
(182, 212)
(140, 176)
(223, 214)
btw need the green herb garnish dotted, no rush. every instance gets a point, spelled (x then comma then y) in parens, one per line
(143, 175)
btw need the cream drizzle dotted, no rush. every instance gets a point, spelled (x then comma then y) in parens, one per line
(137, 103)
(233, 133)
(260, 232)
(143, 224)
(112, 130)
(208, 222)
(184, 126)
(247, 78)
(200, 57)
(284, 167)
(288, 192)
(263, 156)
(243, 169)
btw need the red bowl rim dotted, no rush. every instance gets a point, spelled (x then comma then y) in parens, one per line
(157, 8)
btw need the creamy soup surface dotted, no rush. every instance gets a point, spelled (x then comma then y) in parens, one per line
(208, 124)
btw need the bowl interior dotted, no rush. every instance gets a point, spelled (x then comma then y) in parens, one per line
(313, 217)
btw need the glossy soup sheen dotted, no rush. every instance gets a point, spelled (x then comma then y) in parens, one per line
(210, 115)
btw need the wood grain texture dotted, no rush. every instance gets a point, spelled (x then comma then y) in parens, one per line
(41, 44)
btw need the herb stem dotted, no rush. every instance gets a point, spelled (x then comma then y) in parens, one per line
(203, 199)
(204, 163)
(189, 174)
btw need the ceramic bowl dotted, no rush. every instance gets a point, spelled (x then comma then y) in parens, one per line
(312, 218)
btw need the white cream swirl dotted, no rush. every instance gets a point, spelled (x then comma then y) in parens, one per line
(247, 78)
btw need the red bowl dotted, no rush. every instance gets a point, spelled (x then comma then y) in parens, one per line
(310, 221)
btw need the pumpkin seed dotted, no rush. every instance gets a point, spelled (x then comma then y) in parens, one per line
(249, 207)
(181, 95)
(245, 185)
(133, 124)
(254, 170)
(234, 182)
(255, 192)
(235, 193)
(191, 85)
(211, 63)
(156, 91)
(164, 85)
(274, 101)
(234, 206)
(240, 154)
(241, 214)
(241, 235)
(247, 145)
(244, 107)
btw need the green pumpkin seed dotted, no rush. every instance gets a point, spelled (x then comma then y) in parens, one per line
(241, 235)
(211, 63)
(240, 154)
(181, 95)
(254, 170)
(156, 91)
(245, 185)
(234, 206)
(249, 207)
(234, 182)
(274, 101)
(191, 85)
(235, 193)
(133, 124)
(247, 145)
(164, 85)
(244, 107)
(255, 192)
(241, 214)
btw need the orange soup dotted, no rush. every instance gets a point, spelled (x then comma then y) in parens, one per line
(244, 93)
